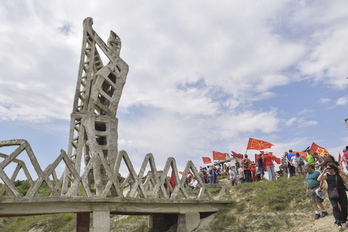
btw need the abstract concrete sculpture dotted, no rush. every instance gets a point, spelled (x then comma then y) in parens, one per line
(93, 129)
(90, 182)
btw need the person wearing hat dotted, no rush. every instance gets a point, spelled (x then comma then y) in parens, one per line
(314, 185)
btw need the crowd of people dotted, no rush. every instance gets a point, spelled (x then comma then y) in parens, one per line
(327, 171)
(319, 171)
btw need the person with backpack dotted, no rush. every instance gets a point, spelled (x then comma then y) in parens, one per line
(246, 165)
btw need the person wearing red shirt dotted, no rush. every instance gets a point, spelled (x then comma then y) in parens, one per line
(268, 163)
(253, 171)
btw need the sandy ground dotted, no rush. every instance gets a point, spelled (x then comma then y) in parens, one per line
(321, 224)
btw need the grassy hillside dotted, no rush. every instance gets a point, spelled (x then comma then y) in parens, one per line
(260, 206)
(265, 206)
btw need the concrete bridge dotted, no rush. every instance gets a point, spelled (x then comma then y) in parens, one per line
(163, 213)
(153, 194)
(91, 182)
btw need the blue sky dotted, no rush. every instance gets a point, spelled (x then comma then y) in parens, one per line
(203, 75)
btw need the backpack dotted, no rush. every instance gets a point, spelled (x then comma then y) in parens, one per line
(245, 163)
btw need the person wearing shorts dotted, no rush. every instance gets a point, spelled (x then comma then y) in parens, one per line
(313, 184)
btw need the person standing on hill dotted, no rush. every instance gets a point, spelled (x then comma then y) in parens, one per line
(319, 162)
(284, 164)
(312, 185)
(268, 162)
(336, 180)
(345, 157)
(291, 168)
(294, 162)
(240, 173)
(260, 166)
(300, 162)
(233, 175)
(310, 158)
(246, 165)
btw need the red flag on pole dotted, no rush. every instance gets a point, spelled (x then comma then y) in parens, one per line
(237, 155)
(317, 149)
(275, 159)
(219, 155)
(256, 144)
(206, 160)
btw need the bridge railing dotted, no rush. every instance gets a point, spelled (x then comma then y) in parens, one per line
(165, 184)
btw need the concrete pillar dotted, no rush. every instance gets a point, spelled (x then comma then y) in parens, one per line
(101, 221)
(188, 222)
(82, 222)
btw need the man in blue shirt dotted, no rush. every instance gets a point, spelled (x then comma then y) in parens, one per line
(313, 184)
(291, 168)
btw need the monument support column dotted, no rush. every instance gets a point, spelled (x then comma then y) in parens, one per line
(188, 221)
(101, 218)
(82, 222)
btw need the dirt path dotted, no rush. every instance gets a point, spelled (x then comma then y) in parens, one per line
(322, 224)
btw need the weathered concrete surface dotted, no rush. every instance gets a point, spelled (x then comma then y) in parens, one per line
(101, 220)
(188, 221)
(114, 205)
(93, 145)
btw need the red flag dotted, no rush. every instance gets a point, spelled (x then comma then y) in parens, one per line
(172, 180)
(275, 159)
(206, 160)
(237, 155)
(256, 144)
(219, 155)
(317, 149)
(182, 173)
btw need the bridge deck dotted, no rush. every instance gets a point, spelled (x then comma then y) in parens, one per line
(23, 206)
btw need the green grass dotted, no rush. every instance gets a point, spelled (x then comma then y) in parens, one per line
(44, 223)
(258, 206)
(263, 206)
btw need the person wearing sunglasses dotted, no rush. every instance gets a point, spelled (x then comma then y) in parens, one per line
(336, 180)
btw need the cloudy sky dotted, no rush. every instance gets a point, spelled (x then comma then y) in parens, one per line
(204, 75)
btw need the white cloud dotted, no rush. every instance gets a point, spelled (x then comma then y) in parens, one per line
(203, 75)
(291, 121)
(342, 101)
(326, 62)
(304, 123)
(324, 100)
